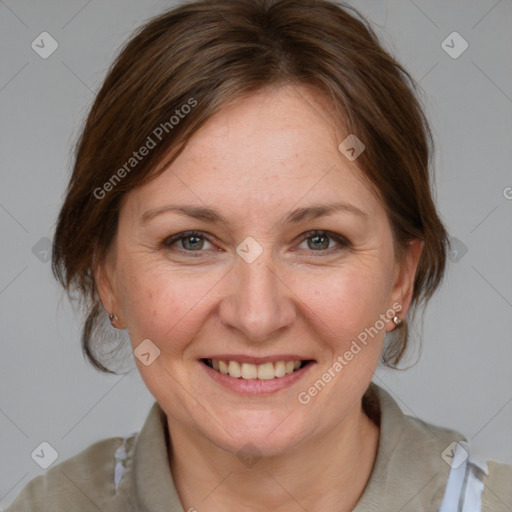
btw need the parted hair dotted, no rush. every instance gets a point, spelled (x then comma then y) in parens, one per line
(207, 55)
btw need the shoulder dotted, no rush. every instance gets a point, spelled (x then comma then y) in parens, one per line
(84, 482)
(414, 453)
(483, 485)
(497, 494)
(483, 482)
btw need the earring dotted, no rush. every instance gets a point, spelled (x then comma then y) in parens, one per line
(397, 321)
(113, 318)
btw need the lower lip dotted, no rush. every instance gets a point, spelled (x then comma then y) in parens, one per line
(256, 386)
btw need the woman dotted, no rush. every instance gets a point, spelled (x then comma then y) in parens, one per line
(251, 202)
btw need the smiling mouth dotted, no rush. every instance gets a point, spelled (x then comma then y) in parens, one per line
(249, 371)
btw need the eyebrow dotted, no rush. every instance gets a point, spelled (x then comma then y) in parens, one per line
(296, 216)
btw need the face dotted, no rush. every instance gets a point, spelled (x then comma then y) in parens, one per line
(266, 278)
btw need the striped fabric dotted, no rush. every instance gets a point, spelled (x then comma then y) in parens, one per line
(465, 482)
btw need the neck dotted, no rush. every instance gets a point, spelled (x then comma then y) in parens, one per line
(328, 472)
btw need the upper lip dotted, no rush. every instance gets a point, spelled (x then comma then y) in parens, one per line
(243, 358)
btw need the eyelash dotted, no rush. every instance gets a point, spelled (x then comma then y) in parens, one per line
(168, 242)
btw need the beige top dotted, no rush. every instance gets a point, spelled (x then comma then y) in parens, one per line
(409, 472)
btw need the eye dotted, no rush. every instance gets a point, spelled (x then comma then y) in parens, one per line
(189, 241)
(320, 241)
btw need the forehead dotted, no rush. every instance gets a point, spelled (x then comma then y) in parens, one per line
(271, 151)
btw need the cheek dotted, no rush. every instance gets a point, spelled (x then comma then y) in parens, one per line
(163, 304)
(346, 299)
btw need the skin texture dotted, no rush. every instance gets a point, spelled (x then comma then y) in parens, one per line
(254, 162)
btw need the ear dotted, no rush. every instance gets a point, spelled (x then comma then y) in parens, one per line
(104, 277)
(405, 273)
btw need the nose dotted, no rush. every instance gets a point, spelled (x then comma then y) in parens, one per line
(258, 302)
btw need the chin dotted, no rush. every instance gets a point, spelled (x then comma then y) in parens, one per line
(265, 439)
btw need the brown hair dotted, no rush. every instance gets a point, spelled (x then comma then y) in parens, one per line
(205, 55)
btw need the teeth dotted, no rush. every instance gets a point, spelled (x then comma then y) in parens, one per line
(248, 371)
(279, 369)
(289, 366)
(265, 371)
(234, 369)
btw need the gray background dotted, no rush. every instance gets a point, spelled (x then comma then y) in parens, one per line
(463, 379)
